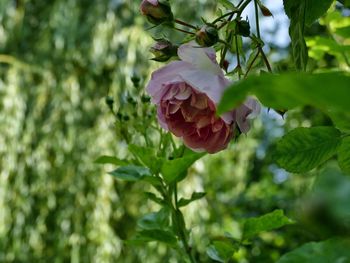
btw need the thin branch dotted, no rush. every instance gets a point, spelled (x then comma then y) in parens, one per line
(178, 21)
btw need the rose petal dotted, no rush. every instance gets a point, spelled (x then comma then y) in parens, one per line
(198, 56)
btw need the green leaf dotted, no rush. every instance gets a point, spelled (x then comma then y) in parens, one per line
(296, 10)
(154, 198)
(301, 13)
(290, 90)
(344, 155)
(195, 196)
(156, 220)
(303, 149)
(332, 188)
(314, 8)
(222, 248)
(147, 156)
(150, 235)
(105, 159)
(227, 4)
(329, 251)
(273, 220)
(131, 173)
(175, 170)
(214, 254)
(341, 119)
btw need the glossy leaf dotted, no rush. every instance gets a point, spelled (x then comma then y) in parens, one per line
(303, 149)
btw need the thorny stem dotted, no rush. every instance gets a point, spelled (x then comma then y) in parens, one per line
(178, 21)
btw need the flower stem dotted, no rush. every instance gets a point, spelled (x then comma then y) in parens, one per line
(251, 64)
(257, 18)
(184, 31)
(179, 222)
(178, 21)
(266, 61)
(237, 54)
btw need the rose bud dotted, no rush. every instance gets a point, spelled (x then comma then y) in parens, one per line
(163, 50)
(186, 94)
(207, 36)
(156, 11)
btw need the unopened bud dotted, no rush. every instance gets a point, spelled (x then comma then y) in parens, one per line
(243, 28)
(207, 36)
(156, 11)
(163, 50)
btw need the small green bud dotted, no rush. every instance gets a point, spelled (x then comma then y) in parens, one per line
(207, 36)
(163, 50)
(243, 28)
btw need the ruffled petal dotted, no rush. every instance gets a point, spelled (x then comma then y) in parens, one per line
(169, 73)
(201, 58)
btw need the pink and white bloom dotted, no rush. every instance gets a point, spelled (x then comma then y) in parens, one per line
(187, 92)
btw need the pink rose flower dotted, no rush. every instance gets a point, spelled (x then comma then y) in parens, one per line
(186, 93)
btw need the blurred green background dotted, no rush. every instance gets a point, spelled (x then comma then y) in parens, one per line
(58, 61)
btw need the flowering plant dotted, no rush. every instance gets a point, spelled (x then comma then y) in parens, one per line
(187, 92)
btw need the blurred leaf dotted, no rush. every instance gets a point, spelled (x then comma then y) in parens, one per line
(156, 220)
(333, 189)
(341, 119)
(344, 155)
(227, 4)
(290, 90)
(160, 235)
(303, 149)
(222, 249)
(329, 251)
(105, 159)
(273, 220)
(343, 31)
(175, 170)
(154, 198)
(147, 156)
(130, 173)
(214, 254)
(195, 196)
